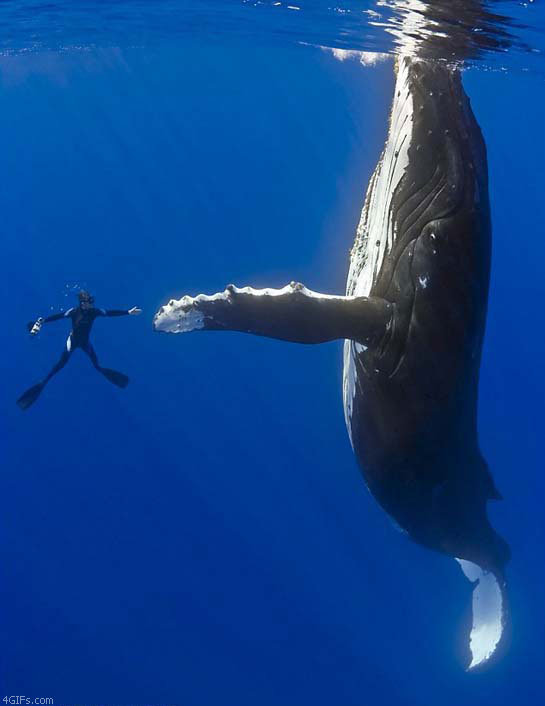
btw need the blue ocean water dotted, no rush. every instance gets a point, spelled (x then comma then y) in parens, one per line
(205, 536)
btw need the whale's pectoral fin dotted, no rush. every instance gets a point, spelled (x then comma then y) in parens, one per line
(293, 313)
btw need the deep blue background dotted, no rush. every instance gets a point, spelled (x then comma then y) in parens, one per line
(204, 537)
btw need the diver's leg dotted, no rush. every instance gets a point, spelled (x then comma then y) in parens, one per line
(88, 348)
(113, 376)
(293, 313)
(59, 366)
(32, 394)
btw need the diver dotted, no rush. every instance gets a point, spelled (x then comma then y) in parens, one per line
(82, 318)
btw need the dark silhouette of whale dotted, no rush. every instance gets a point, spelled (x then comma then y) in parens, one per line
(413, 318)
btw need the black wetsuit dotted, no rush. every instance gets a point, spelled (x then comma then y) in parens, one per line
(82, 322)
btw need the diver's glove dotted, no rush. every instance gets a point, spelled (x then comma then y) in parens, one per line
(135, 311)
(36, 327)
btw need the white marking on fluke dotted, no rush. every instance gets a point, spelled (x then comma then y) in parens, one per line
(488, 613)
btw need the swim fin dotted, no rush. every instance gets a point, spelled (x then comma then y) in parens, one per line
(30, 396)
(118, 379)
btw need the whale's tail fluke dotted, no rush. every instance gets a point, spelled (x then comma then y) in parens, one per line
(489, 613)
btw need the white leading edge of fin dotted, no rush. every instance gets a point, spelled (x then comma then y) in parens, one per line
(183, 315)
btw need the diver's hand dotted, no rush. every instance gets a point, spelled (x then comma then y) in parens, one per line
(135, 311)
(36, 326)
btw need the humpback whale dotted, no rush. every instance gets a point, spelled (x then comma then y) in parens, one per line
(413, 319)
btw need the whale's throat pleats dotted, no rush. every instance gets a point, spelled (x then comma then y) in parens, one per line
(376, 230)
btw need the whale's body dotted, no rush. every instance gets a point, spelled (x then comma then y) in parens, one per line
(423, 244)
(413, 318)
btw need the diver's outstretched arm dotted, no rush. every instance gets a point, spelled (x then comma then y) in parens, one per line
(57, 317)
(34, 327)
(293, 313)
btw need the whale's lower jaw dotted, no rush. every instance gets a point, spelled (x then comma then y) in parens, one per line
(376, 230)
